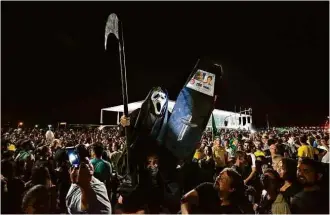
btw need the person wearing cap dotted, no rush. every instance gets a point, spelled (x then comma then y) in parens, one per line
(11, 147)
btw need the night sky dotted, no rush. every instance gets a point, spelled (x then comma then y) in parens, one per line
(54, 67)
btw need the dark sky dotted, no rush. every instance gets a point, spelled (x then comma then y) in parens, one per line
(275, 57)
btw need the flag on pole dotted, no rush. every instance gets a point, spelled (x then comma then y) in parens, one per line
(214, 127)
(111, 28)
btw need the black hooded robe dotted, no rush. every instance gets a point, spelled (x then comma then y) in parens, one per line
(145, 133)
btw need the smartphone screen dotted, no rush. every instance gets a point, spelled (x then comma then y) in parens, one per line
(73, 156)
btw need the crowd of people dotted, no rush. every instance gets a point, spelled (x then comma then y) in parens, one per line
(231, 171)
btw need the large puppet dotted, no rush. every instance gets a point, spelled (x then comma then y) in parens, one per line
(173, 137)
(177, 134)
(147, 129)
(147, 123)
(151, 129)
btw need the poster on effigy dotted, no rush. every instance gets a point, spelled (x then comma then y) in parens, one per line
(202, 82)
(192, 110)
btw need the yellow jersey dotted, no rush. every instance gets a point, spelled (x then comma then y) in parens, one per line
(306, 151)
(199, 154)
(219, 157)
(259, 153)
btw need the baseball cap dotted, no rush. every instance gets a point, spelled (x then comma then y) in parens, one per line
(11, 147)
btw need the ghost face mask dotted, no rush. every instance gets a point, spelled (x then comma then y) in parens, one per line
(158, 99)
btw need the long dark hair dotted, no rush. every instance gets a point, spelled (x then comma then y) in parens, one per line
(209, 149)
(290, 167)
(237, 183)
(271, 184)
(40, 175)
(237, 197)
(40, 197)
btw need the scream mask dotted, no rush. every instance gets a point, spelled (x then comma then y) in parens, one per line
(158, 98)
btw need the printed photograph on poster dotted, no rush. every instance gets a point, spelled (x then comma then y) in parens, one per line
(202, 82)
(208, 80)
(199, 76)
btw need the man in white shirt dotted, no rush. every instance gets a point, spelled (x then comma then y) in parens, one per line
(325, 146)
(325, 158)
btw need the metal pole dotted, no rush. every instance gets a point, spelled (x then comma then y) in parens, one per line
(101, 117)
(115, 26)
(124, 89)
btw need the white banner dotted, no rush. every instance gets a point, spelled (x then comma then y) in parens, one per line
(202, 82)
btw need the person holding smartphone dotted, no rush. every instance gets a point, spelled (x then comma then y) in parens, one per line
(87, 194)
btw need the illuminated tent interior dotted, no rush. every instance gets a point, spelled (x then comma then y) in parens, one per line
(223, 119)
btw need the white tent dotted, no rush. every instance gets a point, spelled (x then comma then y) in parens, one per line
(133, 106)
(234, 120)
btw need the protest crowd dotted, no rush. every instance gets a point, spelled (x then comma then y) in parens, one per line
(234, 171)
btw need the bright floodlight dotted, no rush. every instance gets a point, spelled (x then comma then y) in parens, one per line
(20, 123)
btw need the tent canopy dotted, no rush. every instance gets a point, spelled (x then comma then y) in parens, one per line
(133, 106)
(219, 115)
